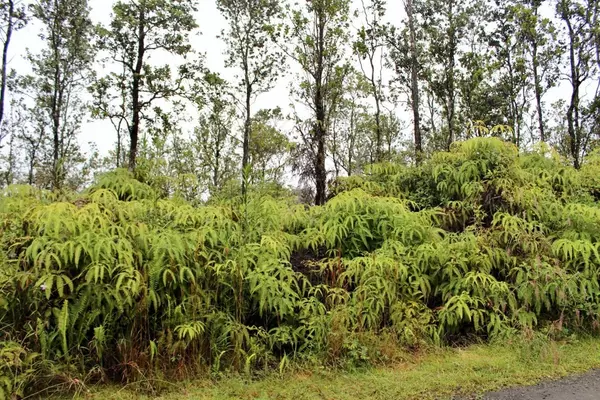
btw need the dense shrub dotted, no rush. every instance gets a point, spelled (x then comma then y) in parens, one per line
(119, 281)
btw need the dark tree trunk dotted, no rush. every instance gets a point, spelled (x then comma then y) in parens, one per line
(320, 128)
(320, 138)
(538, 91)
(30, 171)
(414, 82)
(57, 102)
(572, 128)
(573, 110)
(216, 169)
(596, 34)
(9, 31)
(320, 171)
(134, 130)
(376, 96)
(450, 92)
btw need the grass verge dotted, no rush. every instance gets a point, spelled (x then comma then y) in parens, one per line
(438, 374)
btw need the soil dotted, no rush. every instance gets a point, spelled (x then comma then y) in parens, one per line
(579, 387)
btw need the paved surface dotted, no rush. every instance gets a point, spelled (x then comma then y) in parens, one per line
(580, 387)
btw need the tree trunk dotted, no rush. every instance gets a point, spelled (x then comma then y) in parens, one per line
(9, 31)
(573, 110)
(320, 129)
(30, 171)
(33, 155)
(414, 82)
(9, 176)
(320, 171)
(572, 128)
(320, 137)
(247, 131)
(56, 102)
(596, 32)
(515, 118)
(352, 139)
(119, 147)
(376, 96)
(337, 155)
(134, 130)
(538, 91)
(217, 166)
(450, 78)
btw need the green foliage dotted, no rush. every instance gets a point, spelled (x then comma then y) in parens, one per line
(131, 94)
(59, 72)
(477, 241)
(16, 370)
(121, 183)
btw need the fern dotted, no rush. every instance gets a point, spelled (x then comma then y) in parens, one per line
(476, 241)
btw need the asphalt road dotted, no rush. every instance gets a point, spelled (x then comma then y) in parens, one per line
(579, 387)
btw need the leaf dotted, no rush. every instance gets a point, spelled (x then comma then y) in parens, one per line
(63, 321)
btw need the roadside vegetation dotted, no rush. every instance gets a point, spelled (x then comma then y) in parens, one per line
(128, 283)
(463, 373)
(340, 189)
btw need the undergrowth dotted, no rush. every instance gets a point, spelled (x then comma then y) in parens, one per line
(435, 373)
(122, 283)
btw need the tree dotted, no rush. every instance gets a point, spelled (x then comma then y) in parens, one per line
(482, 94)
(250, 48)
(405, 59)
(578, 17)
(32, 138)
(414, 78)
(12, 18)
(140, 28)
(213, 142)
(595, 23)
(197, 164)
(511, 90)
(369, 47)
(16, 123)
(60, 71)
(269, 147)
(158, 163)
(319, 30)
(391, 128)
(111, 101)
(445, 25)
(349, 140)
(538, 35)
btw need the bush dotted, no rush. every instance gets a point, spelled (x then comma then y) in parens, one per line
(478, 242)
